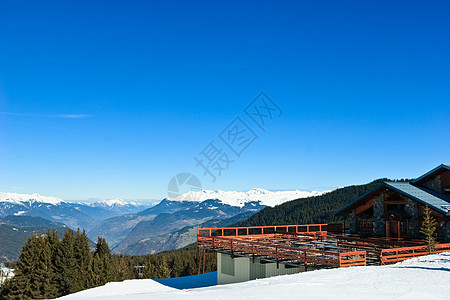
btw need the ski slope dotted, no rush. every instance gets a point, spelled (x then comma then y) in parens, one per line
(426, 277)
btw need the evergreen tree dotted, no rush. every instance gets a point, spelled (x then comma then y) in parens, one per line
(163, 270)
(34, 272)
(122, 268)
(42, 286)
(58, 262)
(69, 264)
(428, 228)
(83, 258)
(20, 287)
(102, 268)
(149, 270)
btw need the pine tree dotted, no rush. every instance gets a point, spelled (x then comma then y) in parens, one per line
(58, 263)
(69, 263)
(103, 269)
(122, 268)
(428, 229)
(34, 272)
(83, 258)
(162, 270)
(20, 287)
(149, 270)
(42, 286)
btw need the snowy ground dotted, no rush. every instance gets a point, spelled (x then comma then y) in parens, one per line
(426, 277)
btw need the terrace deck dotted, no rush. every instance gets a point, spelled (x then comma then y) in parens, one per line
(309, 246)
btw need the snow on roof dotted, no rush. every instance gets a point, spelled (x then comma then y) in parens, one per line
(425, 277)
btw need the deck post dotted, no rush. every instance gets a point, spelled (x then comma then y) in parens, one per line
(253, 253)
(199, 263)
(231, 248)
(305, 262)
(276, 255)
(204, 260)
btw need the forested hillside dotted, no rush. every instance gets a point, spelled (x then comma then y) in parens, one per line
(317, 209)
(49, 267)
(14, 231)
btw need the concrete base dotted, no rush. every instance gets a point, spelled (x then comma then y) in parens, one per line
(240, 269)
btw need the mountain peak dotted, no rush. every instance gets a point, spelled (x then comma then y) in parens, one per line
(115, 202)
(236, 198)
(27, 198)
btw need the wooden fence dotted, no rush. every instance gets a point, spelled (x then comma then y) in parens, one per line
(278, 253)
(394, 255)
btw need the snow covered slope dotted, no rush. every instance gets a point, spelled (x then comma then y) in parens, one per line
(114, 203)
(426, 277)
(234, 198)
(26, 198)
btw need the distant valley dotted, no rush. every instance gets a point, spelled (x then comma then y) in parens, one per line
(132, 227)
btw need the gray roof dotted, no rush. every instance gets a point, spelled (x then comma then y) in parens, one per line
(434, 200)
(442, 166)
(427, 197)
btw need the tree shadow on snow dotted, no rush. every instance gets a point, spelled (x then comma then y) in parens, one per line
(424, 268)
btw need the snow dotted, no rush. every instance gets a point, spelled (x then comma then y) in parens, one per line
(235, 198)
(114, 203)
(27, 198)
(5, 273)
(425, 277)
(117, 290)
(190, 282)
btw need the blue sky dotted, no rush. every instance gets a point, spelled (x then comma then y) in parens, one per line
(112, 99)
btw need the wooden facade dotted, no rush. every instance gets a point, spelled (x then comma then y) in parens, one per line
(396, 209)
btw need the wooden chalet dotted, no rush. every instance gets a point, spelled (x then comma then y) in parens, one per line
(385, 226)
(396, 209)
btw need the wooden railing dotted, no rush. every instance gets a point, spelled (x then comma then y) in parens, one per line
(278, 253)
(348, 259)
(395, 255)
(262, 230)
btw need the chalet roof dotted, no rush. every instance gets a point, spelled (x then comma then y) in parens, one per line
(434, 200)
(438, 169)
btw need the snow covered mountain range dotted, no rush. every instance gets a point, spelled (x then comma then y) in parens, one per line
(27, 199)
(234, 198)
(24, 199)
(73, 214)
(136, 228)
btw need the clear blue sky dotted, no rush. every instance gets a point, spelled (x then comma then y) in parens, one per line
(102, 99)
